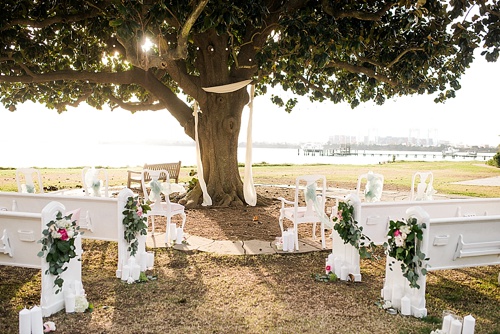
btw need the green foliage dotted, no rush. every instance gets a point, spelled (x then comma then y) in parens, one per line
(194, 181)
(59, 53)
(350, 232)
(495, 161)
(58, 246)
(404, 245)
(135, 222)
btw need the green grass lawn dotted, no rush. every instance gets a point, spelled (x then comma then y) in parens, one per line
(206, 293)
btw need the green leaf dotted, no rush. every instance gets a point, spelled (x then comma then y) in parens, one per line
(115, 23)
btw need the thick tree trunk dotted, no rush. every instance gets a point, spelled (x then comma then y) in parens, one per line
(218, 129)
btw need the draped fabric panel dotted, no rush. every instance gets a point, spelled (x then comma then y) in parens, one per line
(248, 186)
(207, 200)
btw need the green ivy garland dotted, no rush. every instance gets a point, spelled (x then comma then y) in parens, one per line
(403, 245)
(135, 222)
(58, 246)
(349, 231)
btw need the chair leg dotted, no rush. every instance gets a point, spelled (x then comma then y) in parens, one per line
(168, 237)
(152, 225)
(183, 220)
(296, 235)
(280, 220)
(323, 241)
(314, 231)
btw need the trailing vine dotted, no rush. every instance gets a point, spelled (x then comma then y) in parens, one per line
(350, 232)
(403, 245)
(135, 222)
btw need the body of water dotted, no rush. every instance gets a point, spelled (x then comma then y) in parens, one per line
(130, 155)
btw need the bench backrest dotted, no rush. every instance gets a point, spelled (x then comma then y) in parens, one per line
(461, 242)
(375, 217)
(173, 169)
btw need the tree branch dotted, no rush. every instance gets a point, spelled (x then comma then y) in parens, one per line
(97, 77)
(360, 15)
(394, 61)
(308, 84)
(180, 51)
(62, 106)
(362, 70)
(51, 20)
(134, 107)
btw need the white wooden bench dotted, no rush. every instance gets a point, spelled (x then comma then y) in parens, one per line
(100, 219)
(134, 177)
(374, 219)
(449, 243)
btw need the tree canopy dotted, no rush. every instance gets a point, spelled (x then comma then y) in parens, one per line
(141, 54)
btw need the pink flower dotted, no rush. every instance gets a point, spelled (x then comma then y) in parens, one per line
(328, 268)
(397, 233)
(139, 211)
(339, 215)
(63, 233)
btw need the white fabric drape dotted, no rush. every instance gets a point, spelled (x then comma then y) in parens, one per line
(248, 186)
(227, 88)
(207, 200)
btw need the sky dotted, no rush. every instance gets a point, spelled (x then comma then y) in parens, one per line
(472, 118)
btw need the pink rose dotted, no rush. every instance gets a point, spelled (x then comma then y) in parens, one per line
(328, 268)
(139, 211)
(397, 233)
(63, 233)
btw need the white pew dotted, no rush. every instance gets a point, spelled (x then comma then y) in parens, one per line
(100, 219)
(449, 243)
(374, 219)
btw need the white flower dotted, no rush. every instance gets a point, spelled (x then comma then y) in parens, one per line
(56, 235)
(387, 304)
(81, 304)
(70, 233)
(399, 241)
(405, 229)
(130, 280)
(403, 235)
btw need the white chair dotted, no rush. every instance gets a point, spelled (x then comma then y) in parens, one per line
(93, 180)
(424, 190)
(26, 177)
(314, 209)
(152, 191)
(373, 188)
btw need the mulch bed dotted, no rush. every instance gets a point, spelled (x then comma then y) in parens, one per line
(241, 223)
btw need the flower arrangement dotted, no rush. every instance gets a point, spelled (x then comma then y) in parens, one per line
(135, 222)
(349, 230)
(81, 304)
(58, 245)
(403, 245)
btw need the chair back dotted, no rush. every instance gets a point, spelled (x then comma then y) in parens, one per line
(93, 180)
(314, 188)
(153, 187)
(173, 169)
(424, 189)
(373, 187)
(26, 178)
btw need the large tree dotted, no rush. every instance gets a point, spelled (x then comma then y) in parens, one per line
(142, 54)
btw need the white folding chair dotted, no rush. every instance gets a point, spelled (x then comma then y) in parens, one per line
(26, 177)
(94, 180)
(152, 191)
(373, 188)
(314, 187)
(424, 190)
